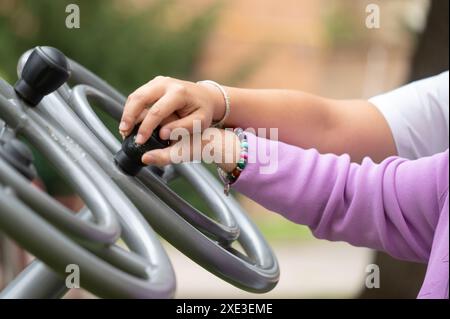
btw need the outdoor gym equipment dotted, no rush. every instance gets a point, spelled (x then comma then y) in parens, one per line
(122, 200)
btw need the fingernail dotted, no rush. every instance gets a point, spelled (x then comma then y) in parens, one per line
(139, 139)
(165, 133)
(123, 126)
(147, 158)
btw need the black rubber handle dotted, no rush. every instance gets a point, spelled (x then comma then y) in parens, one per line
(45, 71)
(129, 156)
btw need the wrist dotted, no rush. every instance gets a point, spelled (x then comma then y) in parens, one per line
(225, 147)
(219, 99)
(231, 153)
(229, 171)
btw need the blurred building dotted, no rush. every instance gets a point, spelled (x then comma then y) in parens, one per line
(320, 46)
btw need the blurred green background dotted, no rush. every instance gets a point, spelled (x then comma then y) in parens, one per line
(127, 47)
(124, 46)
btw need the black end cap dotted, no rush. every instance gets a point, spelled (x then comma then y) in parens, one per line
(45, 71)
(127, 164)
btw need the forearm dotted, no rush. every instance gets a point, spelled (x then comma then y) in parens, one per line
(377, 206)
(309, 121)
(294, 113)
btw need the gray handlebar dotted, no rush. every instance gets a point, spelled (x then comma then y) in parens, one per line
(98, 190)
(65, 128)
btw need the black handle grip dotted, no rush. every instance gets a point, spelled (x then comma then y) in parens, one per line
(129, 156)
(45, 70)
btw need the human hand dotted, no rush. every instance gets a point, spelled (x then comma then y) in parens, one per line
(213, 145)
(171, 103)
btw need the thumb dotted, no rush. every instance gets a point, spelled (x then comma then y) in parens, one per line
(176, 153)
(159, 157)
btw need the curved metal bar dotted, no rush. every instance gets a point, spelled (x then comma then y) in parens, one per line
(51, 210)
(36, 281)
(127, 261)
(260, 275)
(134, 265)
(222, 261)
(80, 104)
(107, 231)
(258, 248)
(79, 74)
(135, 231)
(225, 232)
(58, 251)
(251, 239)
(78, 101)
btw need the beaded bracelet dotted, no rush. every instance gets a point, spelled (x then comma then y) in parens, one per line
(229, 178)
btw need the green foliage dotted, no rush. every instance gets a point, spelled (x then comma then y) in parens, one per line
(340, 26)
(124, 46)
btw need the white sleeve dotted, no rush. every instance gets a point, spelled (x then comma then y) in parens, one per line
(417, 114)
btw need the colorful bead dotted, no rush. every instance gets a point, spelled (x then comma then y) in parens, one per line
(230, 178)
(235, 173)
(241, 164)
(238, 131)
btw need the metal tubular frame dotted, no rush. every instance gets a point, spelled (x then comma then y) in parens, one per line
(66, 130)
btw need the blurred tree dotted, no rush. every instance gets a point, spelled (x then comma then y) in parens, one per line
(340, 25)
(400, 279)
(126, 46)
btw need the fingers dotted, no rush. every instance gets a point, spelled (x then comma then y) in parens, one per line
(195, 121)
(218, 146)
(138, 101)
(139, 119)
(142, 116)
(178, 152)
(173, 100)
(160, 157)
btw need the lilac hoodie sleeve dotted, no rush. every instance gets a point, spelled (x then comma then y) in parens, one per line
(393, 206)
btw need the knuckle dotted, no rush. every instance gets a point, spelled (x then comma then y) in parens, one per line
(135, 96)
(143, 127)
(154, 111)
(159, 78)
(179, 89)
(127, 117)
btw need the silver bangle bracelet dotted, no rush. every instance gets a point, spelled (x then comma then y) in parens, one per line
(226, 98)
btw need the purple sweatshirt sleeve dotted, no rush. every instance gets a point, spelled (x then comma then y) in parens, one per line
(393, 206)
